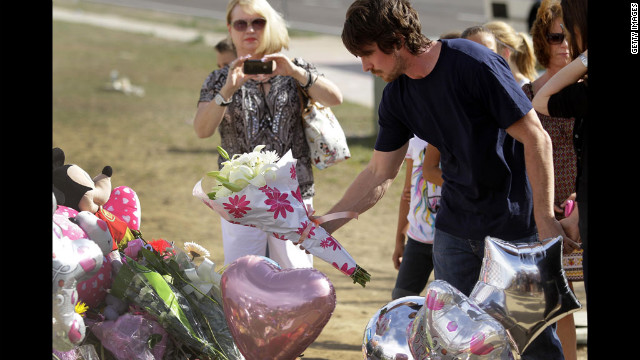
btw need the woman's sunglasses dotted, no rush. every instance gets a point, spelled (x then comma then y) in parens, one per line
(555, 38)
(242, 25)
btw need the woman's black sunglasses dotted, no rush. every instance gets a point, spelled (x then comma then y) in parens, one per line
(257, 24)
(555, 38)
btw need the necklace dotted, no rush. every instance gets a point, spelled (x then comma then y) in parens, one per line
(266, 103)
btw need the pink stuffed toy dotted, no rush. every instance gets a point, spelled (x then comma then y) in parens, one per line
(124, 204)
(72, 261)
(72, 225)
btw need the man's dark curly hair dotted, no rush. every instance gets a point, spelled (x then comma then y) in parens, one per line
(390, 24)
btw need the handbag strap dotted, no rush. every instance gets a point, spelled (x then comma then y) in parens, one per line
(303, 96)
(310, 102)
(304, 110)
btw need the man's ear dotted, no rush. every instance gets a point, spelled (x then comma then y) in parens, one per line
(400, 42)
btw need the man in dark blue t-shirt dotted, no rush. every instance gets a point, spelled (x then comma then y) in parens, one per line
(462, 98)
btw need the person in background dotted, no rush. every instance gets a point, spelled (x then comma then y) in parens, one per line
(516, 48)
(419, 203)
(225, 52)
(482, 36)
(566, 94)
(551, 48)
(450, 35)
(263, 109)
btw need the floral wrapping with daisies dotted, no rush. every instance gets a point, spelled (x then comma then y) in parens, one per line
(260, 189)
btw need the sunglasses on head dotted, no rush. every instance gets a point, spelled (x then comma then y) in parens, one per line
(555, 38)
(242, 25)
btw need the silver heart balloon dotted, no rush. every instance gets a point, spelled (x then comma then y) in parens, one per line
(524, 287)
(385, 337)
(451, 326)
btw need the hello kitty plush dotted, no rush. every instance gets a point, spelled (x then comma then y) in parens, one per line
(72, 261)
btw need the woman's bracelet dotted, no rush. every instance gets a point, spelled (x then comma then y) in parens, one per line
(310, 81)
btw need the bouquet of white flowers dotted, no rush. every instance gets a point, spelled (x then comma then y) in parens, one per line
(261, 190)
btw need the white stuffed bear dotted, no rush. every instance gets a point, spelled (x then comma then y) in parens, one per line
(72, 261)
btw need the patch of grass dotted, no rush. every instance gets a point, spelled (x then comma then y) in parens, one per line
(185, 21)
(200, 23)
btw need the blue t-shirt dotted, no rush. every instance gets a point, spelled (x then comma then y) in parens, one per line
(463, 108)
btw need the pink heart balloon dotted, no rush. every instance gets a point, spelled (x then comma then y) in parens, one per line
(275, 313)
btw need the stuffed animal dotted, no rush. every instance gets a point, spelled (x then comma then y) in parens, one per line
(72, 261)
(80, 191)
(86, 226)
(124, 203)
(85, 212)
(75, 189)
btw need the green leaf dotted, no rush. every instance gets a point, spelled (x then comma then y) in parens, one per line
(221, 178)
(154, 261)
(223, 153)
(231, 186)
(153, 340)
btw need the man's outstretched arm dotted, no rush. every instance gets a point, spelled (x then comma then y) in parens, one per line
(369, 186)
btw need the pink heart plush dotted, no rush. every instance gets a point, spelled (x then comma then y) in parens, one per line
(275, 313)
(124, 204)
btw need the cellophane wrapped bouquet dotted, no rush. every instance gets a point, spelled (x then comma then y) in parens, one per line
(182, 294)
(261, 190)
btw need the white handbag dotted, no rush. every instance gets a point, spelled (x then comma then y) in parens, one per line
(325, 137)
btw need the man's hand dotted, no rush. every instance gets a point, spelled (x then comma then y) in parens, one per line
(570, 227)
(553, 228)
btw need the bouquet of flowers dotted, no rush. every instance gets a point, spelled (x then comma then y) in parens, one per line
(165, 284)
(261, 190)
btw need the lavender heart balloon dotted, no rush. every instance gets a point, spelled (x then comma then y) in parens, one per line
(275, 313)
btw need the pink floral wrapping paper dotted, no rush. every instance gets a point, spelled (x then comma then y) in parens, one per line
(278, 208)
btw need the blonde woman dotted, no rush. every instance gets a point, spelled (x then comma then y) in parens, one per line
(263, 109)
(517, 49)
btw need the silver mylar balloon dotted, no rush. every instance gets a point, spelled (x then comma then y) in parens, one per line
(524, 287)
(385, 337)
(451, 326)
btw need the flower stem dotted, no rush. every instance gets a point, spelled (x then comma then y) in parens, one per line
(360, 276)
